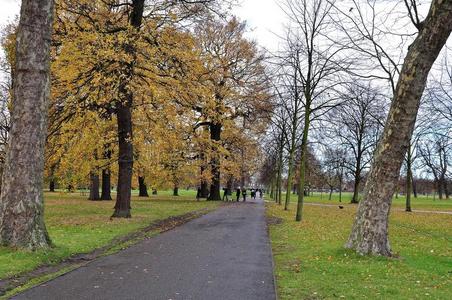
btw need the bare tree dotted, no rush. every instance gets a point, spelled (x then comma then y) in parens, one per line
(356, 124)
(435, 151)
(369, 234)
(319, 62)
(333, 169)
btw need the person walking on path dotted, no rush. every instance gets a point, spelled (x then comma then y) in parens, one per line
(225, 194)
(253, 194)
(237, 194)
(244, 194)
(260, 193)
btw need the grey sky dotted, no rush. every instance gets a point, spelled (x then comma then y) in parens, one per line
(263, 17)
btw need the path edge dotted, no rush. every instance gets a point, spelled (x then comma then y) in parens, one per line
(19, 283)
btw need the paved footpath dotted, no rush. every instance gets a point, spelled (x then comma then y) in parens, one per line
(225, 254)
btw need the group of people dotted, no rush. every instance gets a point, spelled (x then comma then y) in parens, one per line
(239, 192)
(242, 192)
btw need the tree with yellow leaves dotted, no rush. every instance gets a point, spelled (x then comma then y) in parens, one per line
(236, 86)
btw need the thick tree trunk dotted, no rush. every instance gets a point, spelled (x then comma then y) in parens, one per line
(204, 189)
(215, 136)
(355, 198)
(52, 185)
(369, 234)
(106, 185)
(142, 188)
(175, 190)
(122, 206)
(124, 120)
(94, 186)
(21, 200)
(439, 189)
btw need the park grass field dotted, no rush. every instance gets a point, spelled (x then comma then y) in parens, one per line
(311, 263)
(422, 202)
(77, 225)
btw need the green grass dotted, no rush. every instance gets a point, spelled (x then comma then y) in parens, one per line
(311, 262)
(77, 225)
(422, 202)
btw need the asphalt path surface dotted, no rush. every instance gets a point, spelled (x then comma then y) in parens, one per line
(225, 254)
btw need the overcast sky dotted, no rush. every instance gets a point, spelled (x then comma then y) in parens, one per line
(263, 17)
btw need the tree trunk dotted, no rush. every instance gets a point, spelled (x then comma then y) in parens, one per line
(230, 184)
(414, 185)
(331, 193)
(204, 186)
(446, 190)
(204, 189)
(106, 185)
(340, 185)
(369, 233)
(215, 136)
(106, 176)
(142, 188)
(21, 201)
(357, 176)
(94, 186)
(409, 175)
(272, 188)
(302, 179)
(124, 187)
(124, 120)
(279, 178)
(289, 182)
(355, 198)
(439, 189)
(52, 185)
(176, 190)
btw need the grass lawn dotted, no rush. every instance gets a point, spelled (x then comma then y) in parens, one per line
(312, 264)
(77, 225)
(422, 202)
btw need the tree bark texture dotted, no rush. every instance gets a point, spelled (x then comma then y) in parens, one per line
(142, 188)
(215, 136)
(94, 186)
(106, 185)
(21, 200)
(52, 185)
(125, 161)
(369, 233)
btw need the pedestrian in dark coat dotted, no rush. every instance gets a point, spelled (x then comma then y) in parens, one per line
(238, 194)
(198, 194)
(244, 194)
